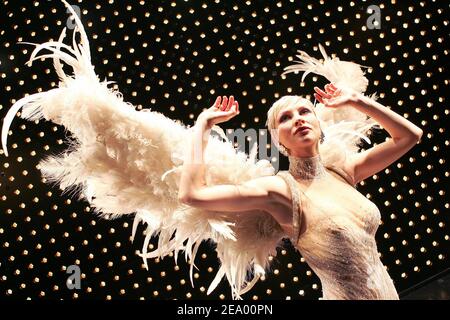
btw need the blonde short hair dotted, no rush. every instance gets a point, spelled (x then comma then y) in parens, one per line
(280, 104)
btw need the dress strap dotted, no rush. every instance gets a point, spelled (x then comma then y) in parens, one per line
(296, 202)
(349, 179)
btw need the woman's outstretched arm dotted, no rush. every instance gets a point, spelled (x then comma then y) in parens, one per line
(404, 134)
(257, 194)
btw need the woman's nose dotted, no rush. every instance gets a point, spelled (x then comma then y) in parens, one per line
(299, 121)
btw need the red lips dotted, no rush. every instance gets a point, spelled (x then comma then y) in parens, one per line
(302, 128)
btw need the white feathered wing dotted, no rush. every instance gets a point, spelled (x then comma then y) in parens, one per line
(124, 161)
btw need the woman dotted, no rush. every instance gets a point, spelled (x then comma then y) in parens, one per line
(330, 222)
(126, 162)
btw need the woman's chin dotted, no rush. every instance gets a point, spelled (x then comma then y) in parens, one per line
(306, 139)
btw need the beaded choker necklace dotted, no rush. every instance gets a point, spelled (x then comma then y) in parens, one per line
(307, 168)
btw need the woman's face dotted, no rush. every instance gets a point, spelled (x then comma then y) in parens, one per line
(290, 122)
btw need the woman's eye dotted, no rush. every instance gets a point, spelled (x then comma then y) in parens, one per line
(304, 111)
(283, 118)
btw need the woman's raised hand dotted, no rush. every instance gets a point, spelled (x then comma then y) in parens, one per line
(334, 97)
(222, 110)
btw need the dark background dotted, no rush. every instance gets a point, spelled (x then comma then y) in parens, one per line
(175, 57)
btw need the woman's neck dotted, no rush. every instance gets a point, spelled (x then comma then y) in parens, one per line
(306, 168)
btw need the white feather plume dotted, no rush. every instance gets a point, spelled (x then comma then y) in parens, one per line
(341, 73)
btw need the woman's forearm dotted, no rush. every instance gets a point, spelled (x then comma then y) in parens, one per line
(193, 170)
(397, 126)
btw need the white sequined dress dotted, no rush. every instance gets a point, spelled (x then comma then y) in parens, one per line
(334, 229)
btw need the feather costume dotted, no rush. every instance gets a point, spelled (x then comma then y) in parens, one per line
(128, 162)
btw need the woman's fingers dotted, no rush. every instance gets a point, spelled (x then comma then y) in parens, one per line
(234, 108)
(333, 90)
(318, 97)
(333, 86)
(217, 102)
(230, 103)
(322, 93)
(329, 89)
(224, 103)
